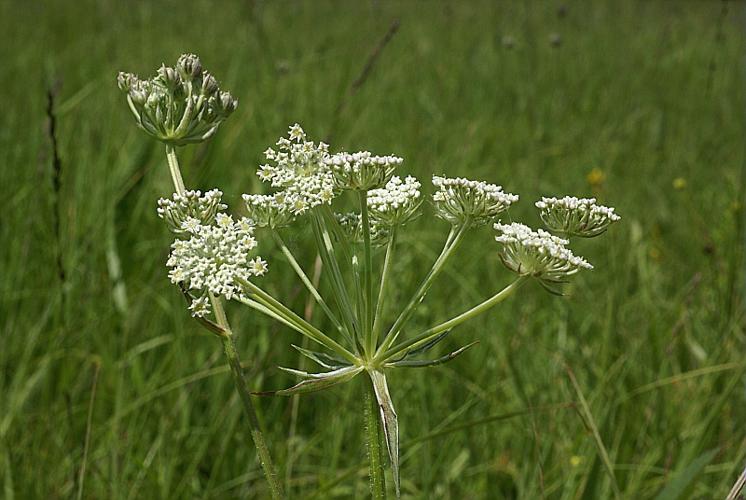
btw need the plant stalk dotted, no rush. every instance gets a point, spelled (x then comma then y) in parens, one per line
(430, 333)
(173, 167)
(375, 450)
(378, 317)
(307, 282)
(452, 243)
(229, 347)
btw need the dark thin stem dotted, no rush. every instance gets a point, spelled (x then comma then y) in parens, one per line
(229, 347)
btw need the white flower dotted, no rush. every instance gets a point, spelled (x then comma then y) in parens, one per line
(200, 307)
(458, 200)
(537, 253)
(214, 257)
(576, 216)
(362, 170)
(190, 205)
(298, 167)
(258, 266)
(397, 203)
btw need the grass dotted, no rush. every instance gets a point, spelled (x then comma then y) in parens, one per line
(634, 383)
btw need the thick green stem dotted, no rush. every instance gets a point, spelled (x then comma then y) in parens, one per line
(430, 333)
(375, 450)
(452, 243)
(173, 167)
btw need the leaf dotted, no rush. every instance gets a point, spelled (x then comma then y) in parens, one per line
(390, 422)
(315, 381)
(424, 347)
(404, 363)
(327, 361)
(678, 485)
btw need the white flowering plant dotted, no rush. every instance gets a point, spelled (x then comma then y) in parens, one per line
(213, 256)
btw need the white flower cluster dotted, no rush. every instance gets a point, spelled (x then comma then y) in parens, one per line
(459, 199)
(352, 226)
(179, 105)
(268, 210)
(190, 205)
(396, 203)
(361, 170)
(576, 216)
(213, 258)
(300, 171)
(537, 253)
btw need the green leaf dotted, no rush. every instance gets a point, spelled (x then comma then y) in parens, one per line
(390, 422)
(404, 363)
(315, 381)
(679, 483)
(327, 361)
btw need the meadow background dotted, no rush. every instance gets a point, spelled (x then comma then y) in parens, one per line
(632, 386)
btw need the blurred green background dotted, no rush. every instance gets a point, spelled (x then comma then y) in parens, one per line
(638, 103)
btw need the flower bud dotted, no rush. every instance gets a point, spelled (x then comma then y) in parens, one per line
(189, 66)
(209, 84)
(125, 81)
(169, 77)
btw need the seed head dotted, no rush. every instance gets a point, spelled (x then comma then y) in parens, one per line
(576, 216)
(537, 253)
(459, 199)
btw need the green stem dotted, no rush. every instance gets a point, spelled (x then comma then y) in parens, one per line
(375, 450)
(382, 290)
(173, 166)
(306, 281)
(328, 257)
(367, 319)
(229, 347)
(430, 333)
(289, 316)
(452, 243)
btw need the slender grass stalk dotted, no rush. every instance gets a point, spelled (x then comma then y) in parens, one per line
(430, 333)
(375, 450)
(452, 243)
(229, 347)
